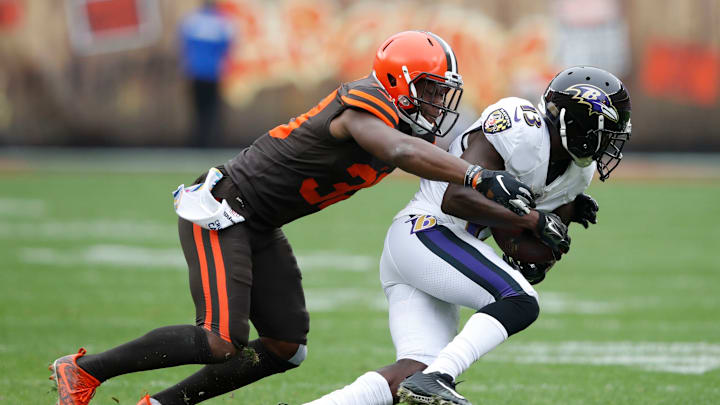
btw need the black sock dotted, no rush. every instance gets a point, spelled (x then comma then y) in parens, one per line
(218, 379)
(163, 347)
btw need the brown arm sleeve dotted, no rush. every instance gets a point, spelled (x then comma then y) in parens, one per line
(411, 154)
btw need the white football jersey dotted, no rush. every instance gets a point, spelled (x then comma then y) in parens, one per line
(518, 133)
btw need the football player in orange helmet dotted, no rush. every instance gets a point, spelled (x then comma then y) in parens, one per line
(230, 223)
(419, 71)
(434, 256)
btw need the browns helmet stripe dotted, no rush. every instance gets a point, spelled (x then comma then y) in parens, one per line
(449, 54)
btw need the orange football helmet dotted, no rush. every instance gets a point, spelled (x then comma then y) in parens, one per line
(419, 71)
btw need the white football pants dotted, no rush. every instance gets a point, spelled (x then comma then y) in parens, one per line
(427, 272)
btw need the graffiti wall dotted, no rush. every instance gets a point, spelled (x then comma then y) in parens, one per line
(304, 43)
(288, 54)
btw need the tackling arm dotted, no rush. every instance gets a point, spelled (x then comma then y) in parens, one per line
(475, 207)
(411, 154)
(422, 159)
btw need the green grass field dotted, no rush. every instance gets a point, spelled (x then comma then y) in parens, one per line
(630, 316)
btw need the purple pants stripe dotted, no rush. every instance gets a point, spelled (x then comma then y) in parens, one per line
(469, 261)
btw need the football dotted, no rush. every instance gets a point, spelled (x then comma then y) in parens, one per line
(522, 244)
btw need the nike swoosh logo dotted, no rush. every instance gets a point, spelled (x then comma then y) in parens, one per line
(553, 227)
(452, 391)
(516, 114)
(499, 179)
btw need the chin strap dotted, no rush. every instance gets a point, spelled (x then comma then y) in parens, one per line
(417, 129)
(411, 86)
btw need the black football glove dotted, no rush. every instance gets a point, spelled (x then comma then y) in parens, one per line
(533, 272)
(586, 209)
(501, 187)
(554, 233)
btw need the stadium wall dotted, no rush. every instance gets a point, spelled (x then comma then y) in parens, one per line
(290, 53)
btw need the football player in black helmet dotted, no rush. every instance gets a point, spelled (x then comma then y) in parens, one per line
(590, 108)
(583, 122)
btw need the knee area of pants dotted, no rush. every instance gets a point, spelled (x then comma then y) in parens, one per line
(221, 349)
(515, 313)
(529, 306)
(534, 307)
(528, 303)
(223, 353)
(291, 352)
(299, 355)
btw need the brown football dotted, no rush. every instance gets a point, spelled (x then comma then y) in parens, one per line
(522, 244)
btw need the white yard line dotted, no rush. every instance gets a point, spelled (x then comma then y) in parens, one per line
(102, 229)
(112, 256)
(23, 207)
(338, 299)
(120, 255)
(337, 260)
(559, 303)
(673, 357)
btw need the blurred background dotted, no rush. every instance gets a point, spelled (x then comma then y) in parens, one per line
(215, 74)
(107, 105)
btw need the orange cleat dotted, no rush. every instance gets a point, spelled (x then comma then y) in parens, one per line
(145, 400)
(74, 385)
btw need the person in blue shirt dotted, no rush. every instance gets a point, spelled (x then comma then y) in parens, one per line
(206, 37)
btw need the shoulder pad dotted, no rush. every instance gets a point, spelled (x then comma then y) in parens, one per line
(496, 121)
(509, 112)
(519, 142)
(367, 95)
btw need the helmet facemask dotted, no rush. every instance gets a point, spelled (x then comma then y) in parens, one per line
(601, 144)
(610, 151)
(431, 105)
(590, 108)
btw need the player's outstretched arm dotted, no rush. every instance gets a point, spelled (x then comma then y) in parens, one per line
(476, 207)
(411, 154)
(422, 159)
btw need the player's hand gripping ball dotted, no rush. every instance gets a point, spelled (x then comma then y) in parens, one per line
(522, 245)
(548, 243)
(533, 272)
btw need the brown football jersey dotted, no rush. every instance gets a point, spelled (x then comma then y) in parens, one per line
(300, 168)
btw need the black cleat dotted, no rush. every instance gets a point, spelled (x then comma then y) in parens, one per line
(433, 388)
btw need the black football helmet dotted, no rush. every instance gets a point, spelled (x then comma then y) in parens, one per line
(590, 108)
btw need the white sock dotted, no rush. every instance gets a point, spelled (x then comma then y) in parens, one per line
(369, 389)
(481, 334)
